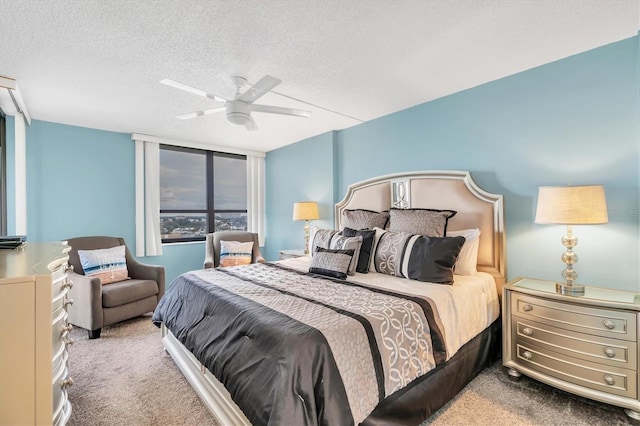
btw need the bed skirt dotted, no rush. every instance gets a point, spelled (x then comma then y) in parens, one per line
(424, 396)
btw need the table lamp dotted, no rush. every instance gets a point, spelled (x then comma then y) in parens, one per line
(571, 205)
(306, 210)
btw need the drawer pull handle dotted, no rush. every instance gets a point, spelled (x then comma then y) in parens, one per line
(68, 302)
(527, 308)
(68, 267)
(527, 355)
(66, 383)
(69, 342)
(609, 380)
(609, 324)
(67, 328)
(67, 285)
(610, 352)
(527, 331)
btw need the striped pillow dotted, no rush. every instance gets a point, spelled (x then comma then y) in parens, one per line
(110, 265)
(234, 253)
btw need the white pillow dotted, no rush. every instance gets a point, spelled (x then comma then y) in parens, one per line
(468, 258)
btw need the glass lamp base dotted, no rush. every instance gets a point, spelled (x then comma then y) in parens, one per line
(570, 289)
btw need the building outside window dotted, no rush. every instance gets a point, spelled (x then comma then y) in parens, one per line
(201, 192)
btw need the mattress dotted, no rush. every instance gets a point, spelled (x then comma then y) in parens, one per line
(466, 308)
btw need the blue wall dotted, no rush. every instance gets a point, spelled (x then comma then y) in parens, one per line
(81, 181)
(572, 121)
(298, 172)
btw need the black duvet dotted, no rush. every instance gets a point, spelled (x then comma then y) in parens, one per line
(294, 348)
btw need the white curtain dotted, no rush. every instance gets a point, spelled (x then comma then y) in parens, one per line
(255, 196)
(148, 239)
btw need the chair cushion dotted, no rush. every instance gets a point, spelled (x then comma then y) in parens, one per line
(123, 292)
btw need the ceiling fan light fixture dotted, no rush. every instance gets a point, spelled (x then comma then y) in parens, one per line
(238, 118)
(238, 113)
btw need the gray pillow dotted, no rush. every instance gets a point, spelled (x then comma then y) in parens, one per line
(320, 238)
(364, 219)
(389, 252)
(331, 263)
(341, 242)
(429, 222)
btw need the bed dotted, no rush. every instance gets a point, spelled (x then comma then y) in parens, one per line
(374, 348)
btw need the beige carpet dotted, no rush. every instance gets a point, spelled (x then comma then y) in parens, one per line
(126, 378)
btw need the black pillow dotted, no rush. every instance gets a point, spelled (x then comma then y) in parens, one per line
(332, 263)
(432, 259)
(368, 235)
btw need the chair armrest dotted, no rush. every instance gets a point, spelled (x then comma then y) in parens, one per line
(208, 262)
(143, 271)
(86, 310)
(260, 259)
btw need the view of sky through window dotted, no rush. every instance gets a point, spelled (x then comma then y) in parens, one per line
(183, 189)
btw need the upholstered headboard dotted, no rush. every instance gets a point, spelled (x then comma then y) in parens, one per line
(454, 190)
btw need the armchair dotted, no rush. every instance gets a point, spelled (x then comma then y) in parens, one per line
(212, 247)
(96, 305)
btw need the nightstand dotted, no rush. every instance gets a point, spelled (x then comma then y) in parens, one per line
(290, 254)
(587, 345)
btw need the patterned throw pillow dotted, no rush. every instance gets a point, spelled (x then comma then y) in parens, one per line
(332, 263)
(429, 222)
(389, 252)
(368, 236)
(416, 257)
(320, 238)
(110, 265)
(234, 253)
(341, 242)
(364, 219)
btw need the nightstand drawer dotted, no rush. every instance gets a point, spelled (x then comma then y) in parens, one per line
(602, 350)
(612, 380)
(579, 318)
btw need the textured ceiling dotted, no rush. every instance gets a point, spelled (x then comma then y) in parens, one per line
(98, 63)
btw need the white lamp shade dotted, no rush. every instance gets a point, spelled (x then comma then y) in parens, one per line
(305, 210)
(572, 205)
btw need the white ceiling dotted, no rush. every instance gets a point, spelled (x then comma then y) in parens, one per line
(98, 64)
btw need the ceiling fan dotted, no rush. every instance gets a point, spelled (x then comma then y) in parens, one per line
(239, 108)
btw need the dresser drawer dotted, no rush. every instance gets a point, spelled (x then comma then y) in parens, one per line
(612, 380)
(579, 318)
(603, 350)
(58, 335)
(60, 281)
(59, 389)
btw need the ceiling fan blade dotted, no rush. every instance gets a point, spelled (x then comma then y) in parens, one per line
(251, 125)
(265, 84)
(200, 113)
(280, 110)
(182, 86)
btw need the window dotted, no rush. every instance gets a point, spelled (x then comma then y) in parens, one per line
(201, 192)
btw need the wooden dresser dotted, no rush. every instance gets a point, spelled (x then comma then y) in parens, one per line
(34, 335)
(587, 345)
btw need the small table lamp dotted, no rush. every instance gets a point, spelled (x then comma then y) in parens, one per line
(306, 210)
(571, 205)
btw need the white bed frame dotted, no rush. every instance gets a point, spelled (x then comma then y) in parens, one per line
(454, 190)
